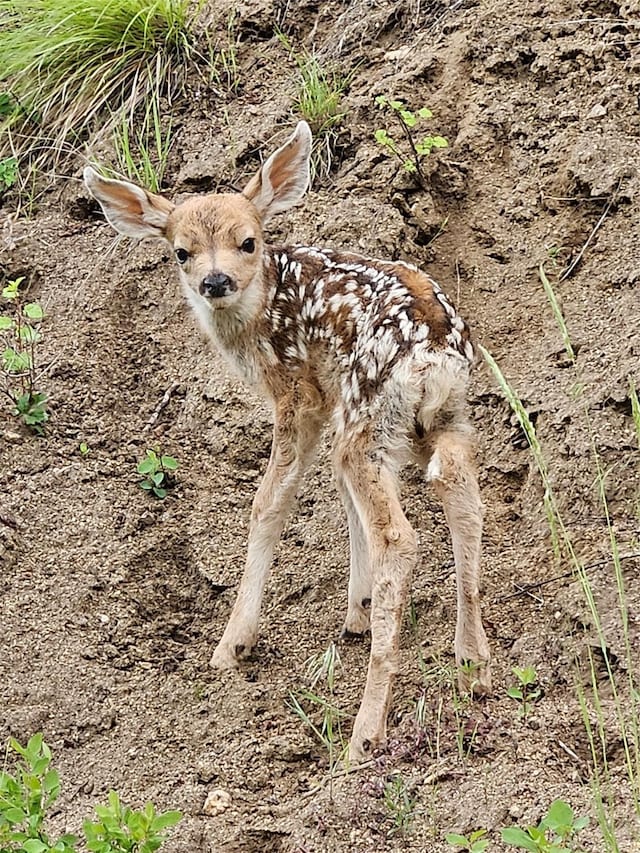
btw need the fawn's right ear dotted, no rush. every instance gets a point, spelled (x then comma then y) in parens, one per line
(131, 210)
(284, 178)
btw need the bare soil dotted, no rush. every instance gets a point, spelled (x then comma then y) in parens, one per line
(112, 601)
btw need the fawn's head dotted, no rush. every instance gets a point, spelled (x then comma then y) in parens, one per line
(217, 239)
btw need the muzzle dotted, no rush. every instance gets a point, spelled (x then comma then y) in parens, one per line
(217, 285)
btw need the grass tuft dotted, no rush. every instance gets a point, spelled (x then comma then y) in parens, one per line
(64, 66)
(318, 100)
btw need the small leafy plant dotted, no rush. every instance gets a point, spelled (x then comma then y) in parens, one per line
(25, 797)
(475, 842)
(19, 336)
(526, 691)
(29, 792)
(157, 470)
(555, 831)
(8, 173)
(409, 153)
(399, 803)
(119, 829)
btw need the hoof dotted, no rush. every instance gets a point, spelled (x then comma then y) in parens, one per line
(347, 634)
(358, 620)
(474, 677)
(360, 750)
(369, 734)
(227, 657)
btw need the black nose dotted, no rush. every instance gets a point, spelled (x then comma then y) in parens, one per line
(217, 285)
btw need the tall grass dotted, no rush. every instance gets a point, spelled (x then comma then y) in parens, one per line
(623, 725)
(63, 63)
(318, 99)
(142, 150)
(316, 707)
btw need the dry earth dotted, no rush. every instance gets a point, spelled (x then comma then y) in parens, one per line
(113, 601)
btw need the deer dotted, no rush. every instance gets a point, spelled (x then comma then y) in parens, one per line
(371, 349)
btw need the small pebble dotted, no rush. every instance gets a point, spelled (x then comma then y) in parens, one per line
(216, 802)
(597, 112)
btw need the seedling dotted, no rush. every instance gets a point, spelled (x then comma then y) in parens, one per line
(19, 336)
(470, 670)
(475, 842)
(410, 153)
(119, 829)
(552, 835)
(27, 794)
(526, 691)
(158, 473)
(400, 804)
(8, 173)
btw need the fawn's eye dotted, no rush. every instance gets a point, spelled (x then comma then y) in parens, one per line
(182, 256)
(248, 245)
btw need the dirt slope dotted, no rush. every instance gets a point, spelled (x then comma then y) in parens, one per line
(112, 602)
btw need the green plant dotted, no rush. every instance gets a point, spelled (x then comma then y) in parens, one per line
(399, 803)
(445, 678)
(223, 57)
(7, 104)
(157, 470)
(19, 336)
(526, 691)
(142, 157)
(555, 831)
(8, 173)
(635, 414)
(319, 712)
(318, 99)
(411, 153)
(472, 843)
(63, 65)
(29, 792)
(25, 796)
(119, 829)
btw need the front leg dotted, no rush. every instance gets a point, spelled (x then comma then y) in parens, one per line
(295, 435)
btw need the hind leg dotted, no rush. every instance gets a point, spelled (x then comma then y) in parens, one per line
(359, 600)
(452, 471)
(391, 544)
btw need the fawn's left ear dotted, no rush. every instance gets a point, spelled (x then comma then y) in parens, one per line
(131, 210)
(284, 178)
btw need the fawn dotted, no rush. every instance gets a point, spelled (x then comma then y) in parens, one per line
(374, 348)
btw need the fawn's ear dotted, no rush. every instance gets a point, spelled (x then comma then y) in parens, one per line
(128, 208)
(284, 178)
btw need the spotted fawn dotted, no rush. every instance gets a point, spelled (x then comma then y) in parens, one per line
(374, 349)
